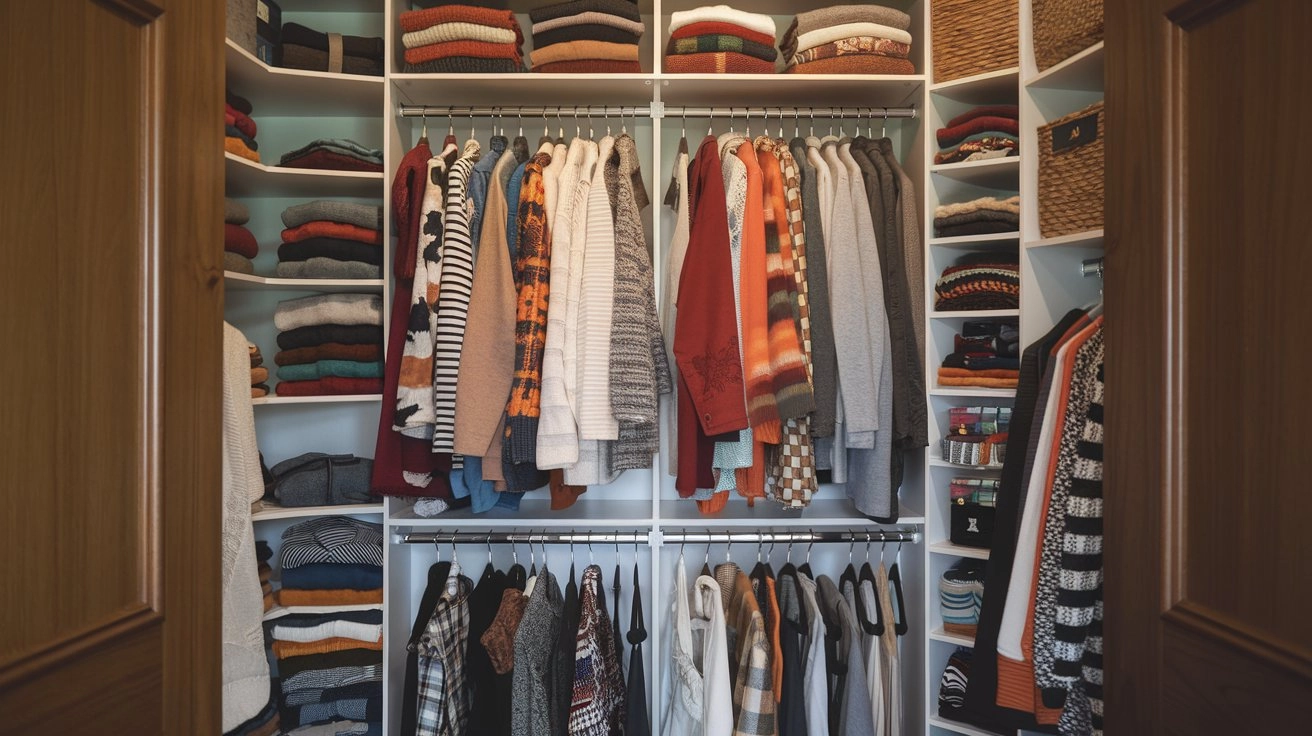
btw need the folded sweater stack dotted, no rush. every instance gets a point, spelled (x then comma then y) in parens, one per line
(979, 281)
(977, 217)
(586, 36)
(331, 240)
(239, 129)
(331, 345)
(989, 131)
(264, 553)
(334, 154)
(306, 48)
(717, 39)
(259, 373)
(849, 39)
(239, 246)
(461, 38)
(985, 354)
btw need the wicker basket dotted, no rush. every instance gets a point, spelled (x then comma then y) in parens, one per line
(974, 36)
(1063, 28)
(1071, 173)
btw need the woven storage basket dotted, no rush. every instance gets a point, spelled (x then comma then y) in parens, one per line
(974, 36)
(1071, 173)
(1063, 28)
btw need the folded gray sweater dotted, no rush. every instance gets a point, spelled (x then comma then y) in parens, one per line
(329, 309)
(365, 215)
(328, 268)
(344, 146)
(319, 479)
(235, 213)
(237, 263)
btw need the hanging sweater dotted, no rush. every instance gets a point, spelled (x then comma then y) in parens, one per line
(762, 412)
(580, 226)
(673, 268)
(824, 370)
(598, 697)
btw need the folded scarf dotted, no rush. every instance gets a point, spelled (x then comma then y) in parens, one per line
(284, 649)
(366, 47)
(466, 65)
(332, 229)
(332, 576)
(584, 33)
(590, 18)
(318, 267)
(259, 391)
(334, 248)
(328, 630)
(978, 381)
(856, 45)
(1000, 144)
(721, 42)
(977, 216)
(1011, 112)
(445, 32)
(235, 212)
(239, 240)
(329, 309)
(584, 50)
(324, 160)
(332, 386)
(237, 102)
(472, 49)
(590, 66)
(303, 57)
(238, 146)
(344, 146)
(240, 120)
(308, 337)
(237, 263)
(722, 62)
(367, 216)
(854, 64)
(974, 228)
(622, 8)
(232, 131)
(723, 14)
(328, 351)
(829, 34)
(324, 368)
(955, 134)
(418, 20)
(1010, 204)
(715, 27)
(259, 375)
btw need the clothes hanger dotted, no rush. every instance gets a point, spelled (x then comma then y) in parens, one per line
(516, 574)
(423, 133)
(883, 132)
(490, 571)
(706, 563)
(895, 588)
(790, 573)
(805, 567)
(849, 572)
(875, 626)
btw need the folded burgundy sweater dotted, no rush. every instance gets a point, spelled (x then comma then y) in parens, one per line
(955, 134)
(997, 111)
(239, 240)
(330, 386)
(322, 159)
(239, 119)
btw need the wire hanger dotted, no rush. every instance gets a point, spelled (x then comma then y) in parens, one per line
(423, 134)
(710, 127)
(450, 122)
(883, 132)
(797, 124)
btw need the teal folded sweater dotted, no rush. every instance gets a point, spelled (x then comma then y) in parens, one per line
(322, 368)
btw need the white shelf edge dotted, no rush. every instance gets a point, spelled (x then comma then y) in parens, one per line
(291, 171)
(947, 724)
(972, 239)
(1063, 65)
(957, 550)
(275, 400)
(940, 635)
(250, 58)
(274, 282)
(976, 314)
(941, 463)
(1088, 237)
(966, 82)
(1005, 162)
(271, 513)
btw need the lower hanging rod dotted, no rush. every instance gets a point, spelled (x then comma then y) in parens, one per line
(677, 537)
(658, 110)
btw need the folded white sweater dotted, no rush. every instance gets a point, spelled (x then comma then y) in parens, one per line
(822, 36)
(329, 630)
(329, 309)
(724, 14)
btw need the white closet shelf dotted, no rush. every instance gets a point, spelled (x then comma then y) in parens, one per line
(1087, 239)
(947, 724)
(331, 6)
(535, 512)
(938, 462)
(275, 400)
(273, 511)
(279, 611)
(1083, 71)
(245, 178)
(940, 635)
(823, 512)
(278, 92)
(994, 173)
(524, 89)
(996, 87)
(972, 241)
(974, 392)
(958, 550)
(791, 90)
(975, 314)
(248, 282)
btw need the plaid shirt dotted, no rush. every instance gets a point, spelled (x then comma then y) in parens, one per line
(443, 704)
(753, 678)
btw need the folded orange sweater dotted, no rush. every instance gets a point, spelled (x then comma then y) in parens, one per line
(945, 372)
(854, 64)
(418, 20)
(717, 62)
(291, 597)
(285, 649)
(473, 49)
(238, 146)
(330, 229)
(571, 50)
(981, 381)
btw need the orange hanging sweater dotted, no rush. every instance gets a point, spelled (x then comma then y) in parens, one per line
(762, 414)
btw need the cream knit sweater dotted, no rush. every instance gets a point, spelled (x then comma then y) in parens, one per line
(669, 296)
(577, 259)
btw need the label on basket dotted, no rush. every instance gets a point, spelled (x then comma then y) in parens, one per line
(1075, 133)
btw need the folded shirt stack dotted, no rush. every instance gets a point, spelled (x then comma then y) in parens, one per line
(306, 48)
(986, 354)
(989, 131)
(316, 682)
(977, 217)
(319, 479)
(461, 38)
(327, 239)
(961, 594)
(331, 345)
(586, 36)
(717, 39)
(238, 128)
(259, 374)
(979, 281)
(334, 154)
(239, 246)
(849, 39)
(977, 436)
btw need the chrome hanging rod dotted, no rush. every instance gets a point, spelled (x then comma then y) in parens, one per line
(530, 111)
(691, 537)
(866, 112)
(562, 537)
(1091, 267)
(657, 110)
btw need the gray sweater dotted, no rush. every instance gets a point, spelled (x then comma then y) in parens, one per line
(534, 642)
(824, 363)
(855, 717)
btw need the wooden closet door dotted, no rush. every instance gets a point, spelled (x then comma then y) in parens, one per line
(1208, 504)
(111, 305)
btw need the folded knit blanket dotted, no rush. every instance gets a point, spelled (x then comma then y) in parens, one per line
(332, 386)
(974, 228)
(829, 34)
(333, 229)
(1000, 144)
(589, 66)
(977, 216)
(473, 49)
(318, 267)
(1011, 112)
(259, 374)
(238, 146)
(233, 132)
(713, 27)
(590, 18)
(571, 50)
(721, 42)
(724, 14)
(335, 248)
(239, 119)
(329, 309)
(979, 286)
(237, 263)
(854, 45)
(239, 240)
(325, 368)
(238, 102)
(854, 64)
(466, 65)
(295, 56)
(418, 20)
(952, 135)
(326, 160)
(622, 8)
(308, 337)
(585, 33)
(444, 32)
(367, 216)
(235, 212)
(328, 351)
(363, 46)
(720, 62)
(344, 146)
(1010, 204)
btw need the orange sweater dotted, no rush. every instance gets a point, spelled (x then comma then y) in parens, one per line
(762, 414)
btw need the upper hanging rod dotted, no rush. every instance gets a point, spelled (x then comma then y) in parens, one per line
(670, 111)
(526, 111)
(705, 537)
(876, 112)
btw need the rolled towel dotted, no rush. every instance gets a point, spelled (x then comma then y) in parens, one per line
(854, 64)
(329, 309)
(829, 34)
(332, 229)
(472, 49)
(724, 14)
(722, 62)
(325, 160)
(590, 18)
(721, 42)
(254, 351)
(308, 337)
(868, 45)
(622, 8)
(235, 212)
(332, 386)
(238, 263)
(366, 47)
(259, 391)
(334, 248)
(466, 65)
(1011, 112)
(344, 146)
(324, 368)
(445, 32)
(367, 216)
(712, 27)
(239, 240)
(329, 351)
(418, 20)
(328, 268)
(571, 50)
(238, 147)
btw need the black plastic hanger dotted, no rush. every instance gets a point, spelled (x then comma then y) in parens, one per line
(805, 567)
(788, 576)
(872, 626)
(899, 603)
